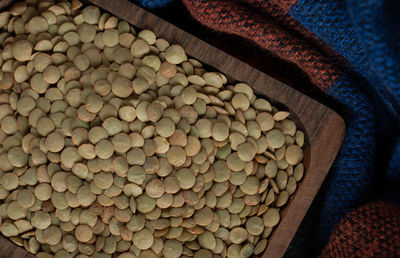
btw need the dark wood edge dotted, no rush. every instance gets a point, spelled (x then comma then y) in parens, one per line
(318, 167)
(323, 127)
(9, 249)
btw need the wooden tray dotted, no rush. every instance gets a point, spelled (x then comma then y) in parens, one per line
(324, 129)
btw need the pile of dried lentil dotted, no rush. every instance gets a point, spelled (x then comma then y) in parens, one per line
(115, 144)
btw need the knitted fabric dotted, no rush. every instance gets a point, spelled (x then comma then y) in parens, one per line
(153, 3)
(350, 51)
(373, 230)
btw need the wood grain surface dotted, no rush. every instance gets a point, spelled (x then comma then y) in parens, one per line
(324, 129)
(10, 250)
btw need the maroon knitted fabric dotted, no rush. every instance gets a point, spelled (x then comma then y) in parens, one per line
(281, 35)
(373, 230)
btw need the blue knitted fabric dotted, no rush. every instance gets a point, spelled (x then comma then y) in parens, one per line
(364, 32)
(153, 3)
(366, 36)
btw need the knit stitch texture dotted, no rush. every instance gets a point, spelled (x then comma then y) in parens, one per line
(349, 50)
(372, 230)
(153, 3)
